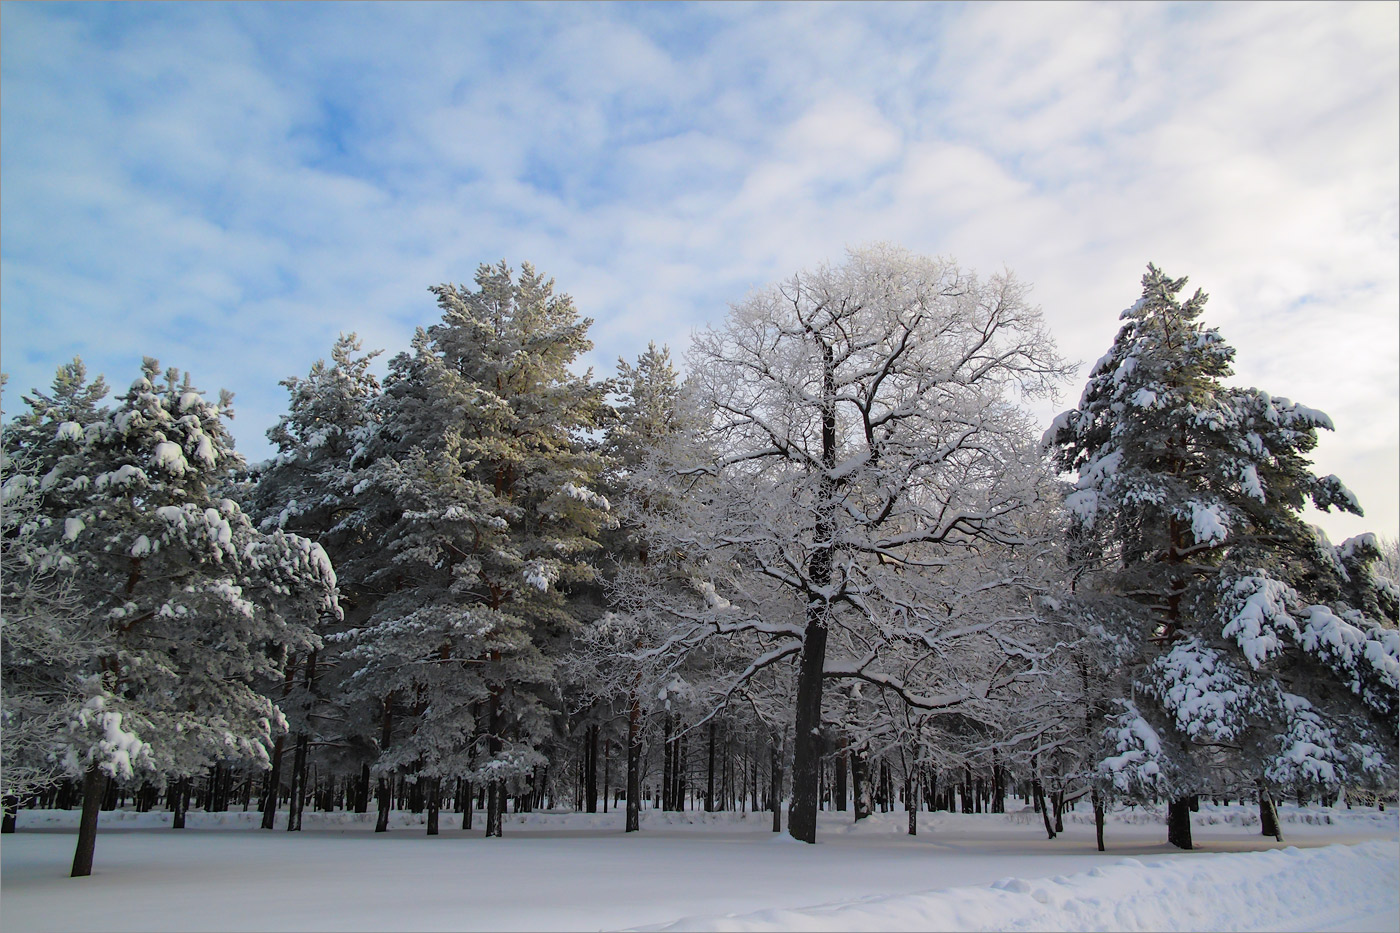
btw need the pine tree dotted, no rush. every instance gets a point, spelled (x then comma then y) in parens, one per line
(1188, 491)
(307, 489)
(186, 609)
(476, 491)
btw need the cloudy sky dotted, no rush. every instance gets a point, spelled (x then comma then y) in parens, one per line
(227, 188)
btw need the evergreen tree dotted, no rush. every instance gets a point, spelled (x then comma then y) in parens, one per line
(1188, 493)
(307, 489)
(186, 608)
(474, 496)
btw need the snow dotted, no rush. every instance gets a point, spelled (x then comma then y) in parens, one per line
(1208, 524)
(171, 458)
(698, 871)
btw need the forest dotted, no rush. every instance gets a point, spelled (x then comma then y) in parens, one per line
(837, 566)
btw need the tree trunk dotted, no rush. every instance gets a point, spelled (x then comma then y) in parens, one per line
(87, 826)
(1098, 816)
(1179, 823)
(590, 770)
(496, 788)
(1268, 814)
(634, 764)
(182, 802)
(860, 784)
(911, 799)
(383, 794)
(297, 800)
(1039, 790)
(710, 773)
(11, 814)
(667, 763)
(806, 762)
(775, 785)
(840, 765)
(362, 789)
(607, 775)
(434, 803)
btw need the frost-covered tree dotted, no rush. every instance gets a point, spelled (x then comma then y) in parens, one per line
(865, 426)
(186, 608)
(474, 501)
(307, 488)
(1188, 494)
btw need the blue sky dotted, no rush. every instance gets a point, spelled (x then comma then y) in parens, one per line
(228, 187)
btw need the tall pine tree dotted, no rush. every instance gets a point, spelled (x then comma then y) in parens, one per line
(1189, 493)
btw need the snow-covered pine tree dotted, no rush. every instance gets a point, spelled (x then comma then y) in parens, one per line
(307, 489)
(1190, 491)
(614, 660)
(186, 608)
(476, 488)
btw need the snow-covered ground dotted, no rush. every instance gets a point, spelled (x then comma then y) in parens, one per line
(1336, 870)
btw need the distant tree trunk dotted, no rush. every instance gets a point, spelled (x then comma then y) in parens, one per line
(1268, 814)
(434, 803)
(495, 788)
(710, 773)
(667, 762)
(840, 765)
(775, 784)
(1059, 798)
(11, 814)
(860, 783)
(911, 798)
(297, 801)
(634, 764)
(1098, 815)
(998, 785)
(181, 802)
(1039, 790)
(590, 769)
(87, 825)
(362, 790)
(607, 774)
(1179, 823)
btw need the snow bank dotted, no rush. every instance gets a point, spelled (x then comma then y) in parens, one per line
(1291, 887)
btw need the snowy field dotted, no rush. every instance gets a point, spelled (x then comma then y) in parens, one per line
(1336, 870)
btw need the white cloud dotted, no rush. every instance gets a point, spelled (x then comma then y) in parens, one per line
(230, 187)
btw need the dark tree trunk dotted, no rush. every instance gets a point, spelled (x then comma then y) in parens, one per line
(634, 764)
(182, 802)
(273, 783)
(590, 770)
(860, 783)
(806, 761)
(495, 789)
(1179, 823)
(434, 803)
(667, 763)
(775, 784)
(840, 765)
(1059, 798)
(911, 799)
(607, 775)
(385, 791)
(1268, 814)
(87, 825)
(362, 790)
(1039, 790)
(297, 801)
(710, 773)
(383, 795)
(11, 814)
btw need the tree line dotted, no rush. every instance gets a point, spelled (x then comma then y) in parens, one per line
(834, 565)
